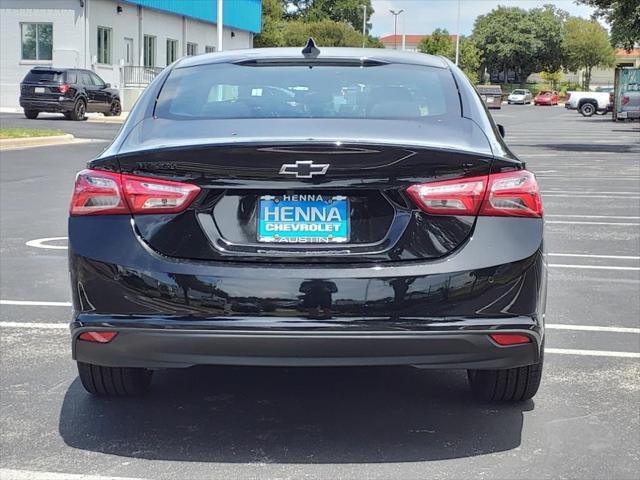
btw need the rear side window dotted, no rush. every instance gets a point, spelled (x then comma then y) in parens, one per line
(85, 78)
(71, 76)
(44, 76)
(303, 91)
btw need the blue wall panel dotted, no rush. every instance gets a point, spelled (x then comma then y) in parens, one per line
(242, 14)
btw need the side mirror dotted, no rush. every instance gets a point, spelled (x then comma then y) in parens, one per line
(107, 85)
(502, 131)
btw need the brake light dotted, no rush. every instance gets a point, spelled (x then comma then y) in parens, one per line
(509, 338)
(63, 88)
(500, 194)
(108, 193)
(625, 100)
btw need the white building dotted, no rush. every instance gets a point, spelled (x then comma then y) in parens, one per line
(124, 41)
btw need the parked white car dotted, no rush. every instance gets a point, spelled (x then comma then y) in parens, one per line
(588, 103)
(520, 95)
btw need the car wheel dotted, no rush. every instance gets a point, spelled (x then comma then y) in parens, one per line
(587, 109)
(114, 381)
(79, 110)
(115, 110)
(508, 385)
(31, 114)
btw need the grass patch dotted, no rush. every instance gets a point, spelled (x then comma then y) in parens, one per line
(28, 132)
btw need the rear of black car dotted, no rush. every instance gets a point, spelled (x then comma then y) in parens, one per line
(272, 209)
(48, 90)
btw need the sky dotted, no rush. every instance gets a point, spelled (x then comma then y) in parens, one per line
(424, 16)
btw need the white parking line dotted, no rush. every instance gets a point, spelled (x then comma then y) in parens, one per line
(592, 328)
(9, 474)
(41, 243)
(621, 217)
(35, 303)
(37, 326)
(569, 222)
(592, 353)
(592, 267)
(625, 197)
(584, 255)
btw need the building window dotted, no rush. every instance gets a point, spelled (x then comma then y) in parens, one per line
(209, 49)
(192, 49)
(172, 51)
(37, 41)
(104, 45)
(149, 51)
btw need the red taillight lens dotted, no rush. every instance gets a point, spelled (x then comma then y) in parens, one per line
(63, 88)
(450, 197)
(107, 193)
(97, 337)
(149, 195)
(97, 193)
(512, 194)
(625, 100)
(509, 338)
(500, 194)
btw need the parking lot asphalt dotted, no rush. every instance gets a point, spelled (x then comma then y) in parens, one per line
(209, 422)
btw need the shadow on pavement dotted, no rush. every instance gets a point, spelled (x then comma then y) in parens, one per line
(307, 415)
(589, 147)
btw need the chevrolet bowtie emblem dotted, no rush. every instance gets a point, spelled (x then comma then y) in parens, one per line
(304, 169)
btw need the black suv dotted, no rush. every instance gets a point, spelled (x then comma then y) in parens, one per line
(70, 91)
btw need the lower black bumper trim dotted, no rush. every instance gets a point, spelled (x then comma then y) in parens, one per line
(153, 348)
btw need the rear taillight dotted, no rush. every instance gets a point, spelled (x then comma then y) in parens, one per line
(500, 194)
(97, 337)
(624, 100)
(63, 88)
(107, 193)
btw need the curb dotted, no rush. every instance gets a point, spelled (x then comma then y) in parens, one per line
(7, 143)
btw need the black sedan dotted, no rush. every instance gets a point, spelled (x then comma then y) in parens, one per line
(314, 207)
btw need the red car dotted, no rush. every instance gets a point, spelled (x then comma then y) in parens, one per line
(546, 97)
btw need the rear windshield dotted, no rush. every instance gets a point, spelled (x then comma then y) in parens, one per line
(519, 92)
(304, 91)
(44, 76)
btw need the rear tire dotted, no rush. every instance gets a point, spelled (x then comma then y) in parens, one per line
(79, 110)
(115, 110)
(31, 114)
(114, 381)
(587, 109)
(509, 385)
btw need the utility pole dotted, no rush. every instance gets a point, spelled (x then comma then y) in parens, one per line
(395, 27)
(220, 24)
(458, 36)
(364, 26)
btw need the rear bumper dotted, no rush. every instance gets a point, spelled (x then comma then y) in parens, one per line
(52, 106)
(163, 348)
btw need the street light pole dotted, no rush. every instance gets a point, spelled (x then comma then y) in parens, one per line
(395, 27)
(364, 26)
(458, 36)
(220, 25)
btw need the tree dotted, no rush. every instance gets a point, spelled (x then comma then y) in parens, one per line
(441, 43)
(511, 38)
(326, 33)
(438, 43)
(586, 44)
(552, 78)
(272, 25)
(624, 18)
(349, 11)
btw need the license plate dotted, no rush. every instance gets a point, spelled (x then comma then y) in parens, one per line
(39, 89)
(304, 218)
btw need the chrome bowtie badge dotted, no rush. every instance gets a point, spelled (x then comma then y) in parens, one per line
(304, 169)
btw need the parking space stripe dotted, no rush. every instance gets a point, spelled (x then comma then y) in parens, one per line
(592, 353)
(38, 326)
(621, 217)
(35, 303)
(586, 255)
(10, 474)
(592, 267)
(571, 222)
(592, 328)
